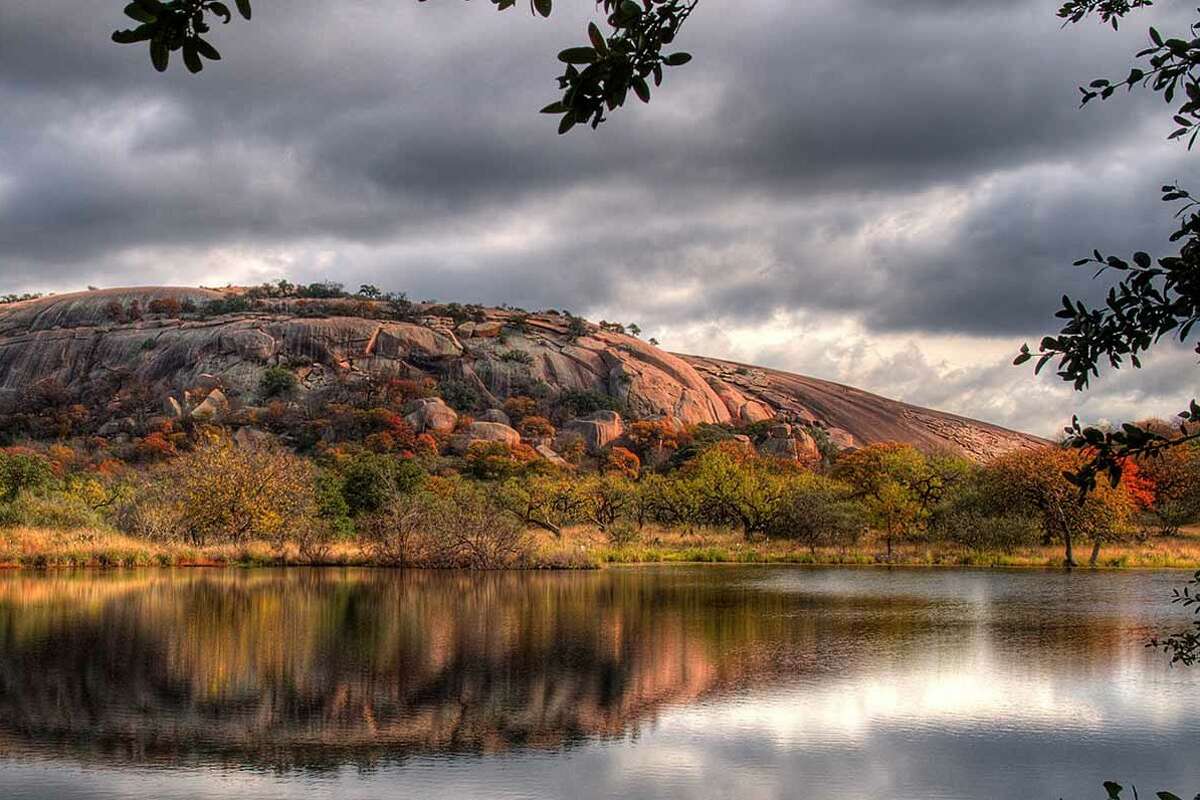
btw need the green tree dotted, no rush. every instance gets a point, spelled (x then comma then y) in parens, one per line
(598, 75)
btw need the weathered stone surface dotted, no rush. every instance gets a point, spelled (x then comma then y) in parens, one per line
(213, 406)
(484, 432)
(799, 447)
(598, 429)
(79, 343)
(781, 431)
(495, 415)
(547, 452)
(172, 408)
(487, 330)
(434, 416)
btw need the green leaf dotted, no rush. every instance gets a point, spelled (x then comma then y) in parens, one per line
(543, 7)
(597, 38)
(191, 59)
(1168, 796)
(677, 59)
(243, 7)
(577, 55)
(641, 89)
(141, 33)
(160, 56)
(568, 122)
(207, 50)
(221, 10)
(138, 12)
(557, 107)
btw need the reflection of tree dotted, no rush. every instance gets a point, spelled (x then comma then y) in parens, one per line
(324, 667)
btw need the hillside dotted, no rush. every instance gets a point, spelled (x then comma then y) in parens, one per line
(187, 350)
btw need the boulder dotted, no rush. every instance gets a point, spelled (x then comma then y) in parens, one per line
(547, 452)
(484, 432)
(433, 415)
(495, 415)
(598, 429)
(214, 405)
(487, 330)
(743, 442)
(798, 447)
(780, 431)
(172, 408)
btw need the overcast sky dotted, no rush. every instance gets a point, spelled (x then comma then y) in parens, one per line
(886, 193)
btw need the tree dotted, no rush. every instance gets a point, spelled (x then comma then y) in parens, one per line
(739, 488)
(597, 76)
(543, 501)
(1037, 480)
(22, 471)
(885, 478)
(223, 493)
(1152, 299)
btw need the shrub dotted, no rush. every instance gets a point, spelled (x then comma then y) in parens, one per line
(581, 402)
(517, 357)
(22, 471)
(497, 460)
(277, 382)
(543, 501)
(222, 493)
(621, 461)
(534, 427)
(817, 511)
(622, 534)
(371, 480)
(519, 407)
(400, 533)
(460, 396)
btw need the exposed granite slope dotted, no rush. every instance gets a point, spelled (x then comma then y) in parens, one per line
(108, 340)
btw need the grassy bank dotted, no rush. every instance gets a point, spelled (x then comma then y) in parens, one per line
(578, 548)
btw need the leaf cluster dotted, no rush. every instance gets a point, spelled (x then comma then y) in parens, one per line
(177, 25)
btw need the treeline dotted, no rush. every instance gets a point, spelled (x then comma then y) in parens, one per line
(420, 506)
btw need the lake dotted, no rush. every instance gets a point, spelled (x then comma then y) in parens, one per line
(672, 682)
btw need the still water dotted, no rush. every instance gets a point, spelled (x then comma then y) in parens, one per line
(681, 682)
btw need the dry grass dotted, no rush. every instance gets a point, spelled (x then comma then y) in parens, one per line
(581, 548)
(659, 545)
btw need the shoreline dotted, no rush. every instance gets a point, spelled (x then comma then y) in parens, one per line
(27, 549)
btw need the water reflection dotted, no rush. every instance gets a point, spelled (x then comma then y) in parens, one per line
(655, 682)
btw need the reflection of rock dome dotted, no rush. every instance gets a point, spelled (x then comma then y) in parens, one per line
(369, 664)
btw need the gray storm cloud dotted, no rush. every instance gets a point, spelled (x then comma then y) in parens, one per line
(920, 168)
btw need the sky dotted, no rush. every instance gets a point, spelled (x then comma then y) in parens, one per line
(884, 193)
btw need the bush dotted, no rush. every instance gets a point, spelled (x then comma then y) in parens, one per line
(622, 534)
(517, 357)
(491, 461)
(371, 480)
(277, 382)
(22, 471)
(222, 493)
(581, 402)
(453, 523)
(460, 396)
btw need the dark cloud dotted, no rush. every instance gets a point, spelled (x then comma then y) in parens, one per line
(920, 167)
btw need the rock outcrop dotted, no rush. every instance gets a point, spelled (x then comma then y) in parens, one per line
(432, 415)
(484, 432)
(598, 430)
(175, 342)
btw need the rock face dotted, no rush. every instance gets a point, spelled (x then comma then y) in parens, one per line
(433, 415)
(484, 432)
(97, 344)
(598, 430)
